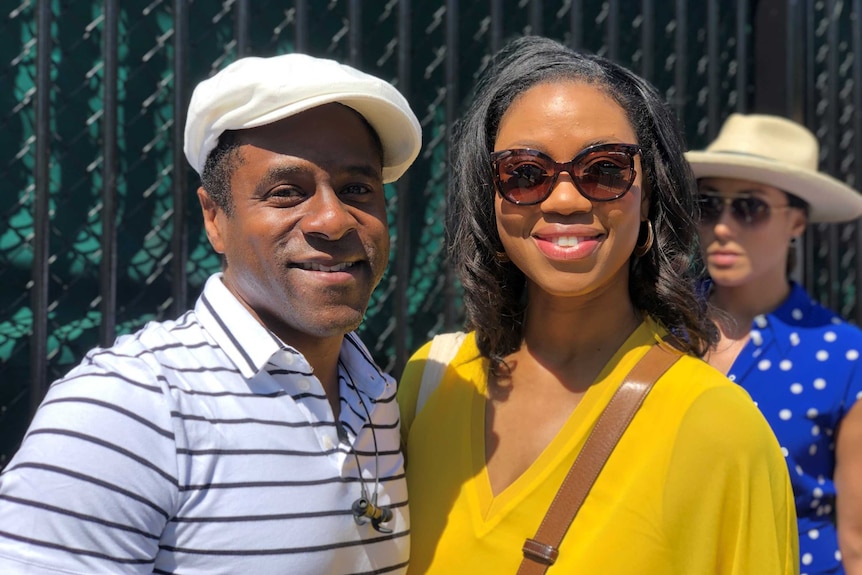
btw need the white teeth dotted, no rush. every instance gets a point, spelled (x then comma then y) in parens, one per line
(319, 268)
(567, 241)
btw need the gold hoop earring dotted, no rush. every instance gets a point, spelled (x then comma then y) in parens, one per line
(643, 249)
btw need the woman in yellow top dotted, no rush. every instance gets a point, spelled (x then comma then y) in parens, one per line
(571, 227)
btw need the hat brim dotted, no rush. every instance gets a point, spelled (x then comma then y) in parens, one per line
(829, 199)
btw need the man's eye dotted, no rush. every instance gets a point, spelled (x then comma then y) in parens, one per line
(289, 192)
(356, 189)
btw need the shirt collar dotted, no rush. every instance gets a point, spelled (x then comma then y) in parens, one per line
(357, 360)
(789, 315)
(247, 343)
(224, 317)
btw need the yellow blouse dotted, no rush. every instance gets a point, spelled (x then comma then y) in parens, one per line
(696, 485)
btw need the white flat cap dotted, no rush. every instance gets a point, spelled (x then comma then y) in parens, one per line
(255, 91)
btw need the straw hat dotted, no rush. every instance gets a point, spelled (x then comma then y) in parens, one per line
(256, 91)
(781, 153)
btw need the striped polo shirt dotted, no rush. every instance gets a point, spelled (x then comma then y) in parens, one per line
(205, 445)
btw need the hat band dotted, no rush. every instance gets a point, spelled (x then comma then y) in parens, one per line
(747, 154)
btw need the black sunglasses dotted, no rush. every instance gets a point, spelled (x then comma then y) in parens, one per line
(746, 209)
(601, 173)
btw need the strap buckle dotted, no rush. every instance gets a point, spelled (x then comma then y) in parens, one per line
(540, 552)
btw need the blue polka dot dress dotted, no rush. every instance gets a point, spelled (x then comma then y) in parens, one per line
(802, 368)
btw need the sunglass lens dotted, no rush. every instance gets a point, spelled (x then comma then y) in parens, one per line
(710, 208)
(523, 179)
(606, 175)
(751, 211)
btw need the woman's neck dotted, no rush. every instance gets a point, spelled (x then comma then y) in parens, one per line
(566, 330)
(744, 303)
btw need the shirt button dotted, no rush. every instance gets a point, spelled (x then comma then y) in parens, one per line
(304, 385)
(327, 442)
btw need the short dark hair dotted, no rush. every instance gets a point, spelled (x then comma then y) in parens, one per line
(219, 168)
(225, 157)
(795, 201)
(662, 283)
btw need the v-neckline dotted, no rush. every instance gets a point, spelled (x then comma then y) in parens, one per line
(490, 509)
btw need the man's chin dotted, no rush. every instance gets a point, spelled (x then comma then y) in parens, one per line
(336, 323)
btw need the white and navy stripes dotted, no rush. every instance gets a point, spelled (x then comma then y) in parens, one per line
(205, 445)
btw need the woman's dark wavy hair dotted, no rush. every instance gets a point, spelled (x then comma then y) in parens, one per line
(662, 282)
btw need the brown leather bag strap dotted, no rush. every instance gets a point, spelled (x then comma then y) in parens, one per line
(542, 550)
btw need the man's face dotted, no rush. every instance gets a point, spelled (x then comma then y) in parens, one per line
(307, 240)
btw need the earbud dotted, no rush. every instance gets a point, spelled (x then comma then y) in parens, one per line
(365, 511)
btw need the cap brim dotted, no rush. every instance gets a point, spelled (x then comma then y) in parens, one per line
(830, 200)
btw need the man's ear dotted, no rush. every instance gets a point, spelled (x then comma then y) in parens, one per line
(213, 218)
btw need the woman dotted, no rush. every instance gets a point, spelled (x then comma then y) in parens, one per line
(798, 360)
(571, 229)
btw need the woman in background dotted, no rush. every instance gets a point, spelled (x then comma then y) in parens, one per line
(572, 232)
(759, 187)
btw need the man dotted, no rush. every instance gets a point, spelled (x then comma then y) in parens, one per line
(254, 434)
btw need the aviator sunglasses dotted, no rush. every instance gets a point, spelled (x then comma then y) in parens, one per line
(601, 173)
(746, 209)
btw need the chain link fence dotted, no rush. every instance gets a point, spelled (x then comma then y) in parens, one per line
(99, 228)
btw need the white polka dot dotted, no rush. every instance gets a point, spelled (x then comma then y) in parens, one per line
(785, 452)
(830, 336)
(732, 377)
(760, 321)
(811, 413)
(818, 493)
(822, 355)
(815, 503)
(796, 388)
(821, 480)
(796, 313)
(859, 395)
(800, 472)
(794, 338)
(836, 321)
(784, 414)
(813, 534)
(812, 449)
(838, 555)
(785, 365)
(764, 365)
(807, 558)
(852, 354)
(756, 337)
(757, 352)
(815, 431)
(819, 383)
